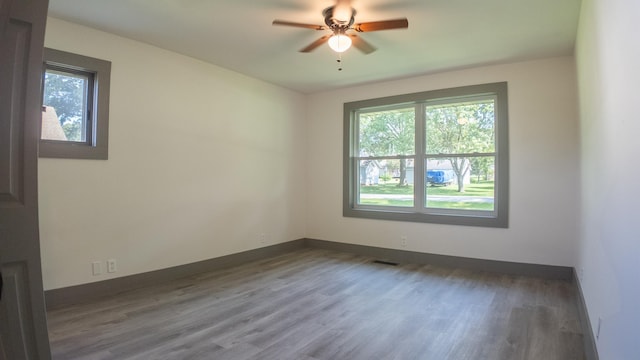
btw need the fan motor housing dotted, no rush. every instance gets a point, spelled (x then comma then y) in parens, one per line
(335, 24)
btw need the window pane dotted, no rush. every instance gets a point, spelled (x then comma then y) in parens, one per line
(387, 133)
(65, 98)
(463, 183)
(386, 182)
(460, 127)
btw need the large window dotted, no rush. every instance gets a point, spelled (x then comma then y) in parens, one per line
(75, 111)
(438, 156)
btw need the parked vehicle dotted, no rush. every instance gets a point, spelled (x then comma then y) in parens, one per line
(440, 177)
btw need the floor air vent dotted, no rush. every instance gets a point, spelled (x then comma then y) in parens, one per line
(385, 262)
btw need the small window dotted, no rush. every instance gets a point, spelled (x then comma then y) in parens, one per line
(438, 156)
(75, 112)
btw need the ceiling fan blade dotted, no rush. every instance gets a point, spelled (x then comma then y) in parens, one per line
(315, 44)
(382, 25)
(361, 45)
(295, 24)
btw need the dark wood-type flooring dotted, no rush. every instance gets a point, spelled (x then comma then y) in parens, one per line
(318, 304)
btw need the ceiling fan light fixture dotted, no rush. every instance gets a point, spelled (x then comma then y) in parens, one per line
(340, 43)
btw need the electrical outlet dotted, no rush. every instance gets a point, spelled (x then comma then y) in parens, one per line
(112, 266)
(96, 267)
(263, 238)
(403, 241)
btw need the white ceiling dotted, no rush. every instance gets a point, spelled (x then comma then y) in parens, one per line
(238, 35)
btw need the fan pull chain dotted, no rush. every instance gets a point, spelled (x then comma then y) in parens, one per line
(339, 61)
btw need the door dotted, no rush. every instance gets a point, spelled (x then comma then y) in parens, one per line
(23, 322)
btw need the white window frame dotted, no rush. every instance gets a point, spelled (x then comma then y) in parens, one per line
(419, 213)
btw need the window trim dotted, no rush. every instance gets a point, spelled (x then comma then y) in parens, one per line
(96, 145)
(471, 218)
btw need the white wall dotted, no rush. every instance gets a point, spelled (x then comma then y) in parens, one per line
(202, 160)
(608, 58)
(544, 146)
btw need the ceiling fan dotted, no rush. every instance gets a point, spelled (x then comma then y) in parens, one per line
(339, 19)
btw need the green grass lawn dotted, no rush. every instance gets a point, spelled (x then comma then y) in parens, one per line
(484, 188)
(431, 204)
(388, 188)
(387, 202)
(481, 189)
(459, 205)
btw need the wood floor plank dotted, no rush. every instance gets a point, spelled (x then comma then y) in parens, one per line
(314, 304)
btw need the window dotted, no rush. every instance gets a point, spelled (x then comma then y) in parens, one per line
(438, 156)
(75, 111)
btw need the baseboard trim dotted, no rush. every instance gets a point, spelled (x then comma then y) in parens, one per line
(589, 342)
(91, 291)
(404, 256)
(87, 292)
